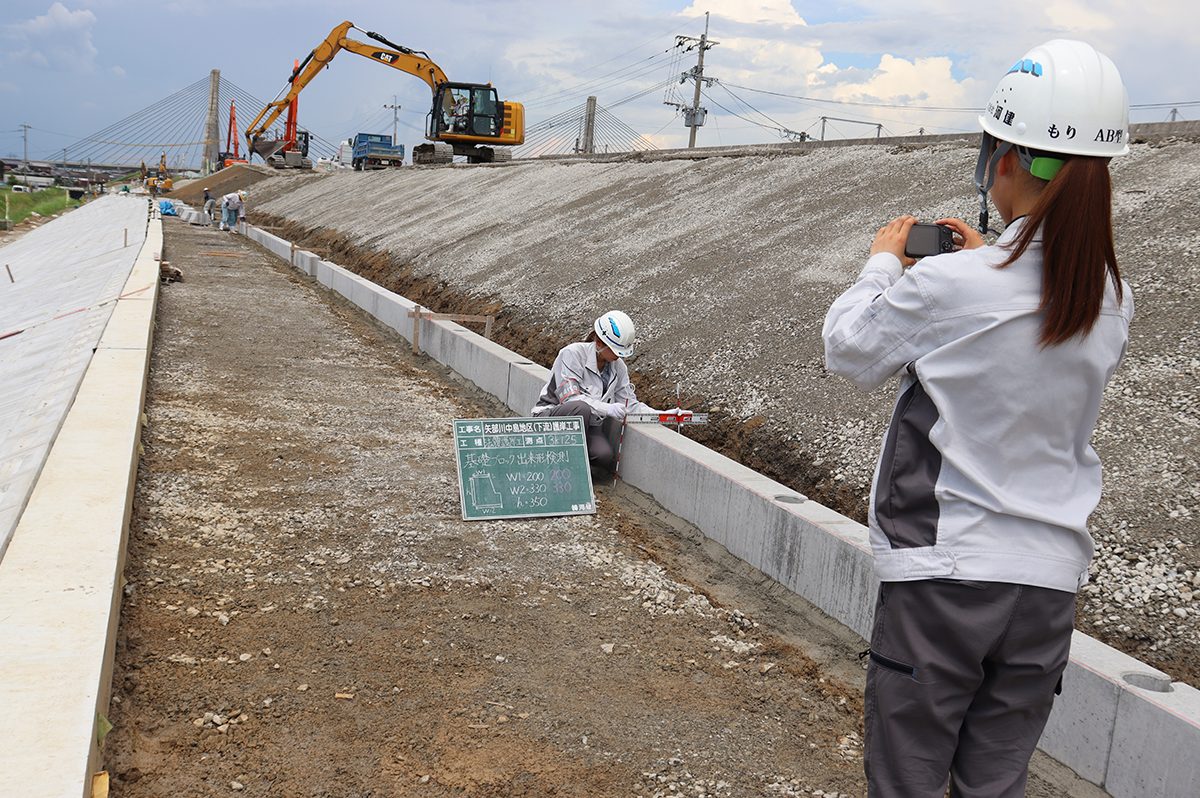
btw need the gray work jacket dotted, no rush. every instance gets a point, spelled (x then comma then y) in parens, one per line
(576, 375)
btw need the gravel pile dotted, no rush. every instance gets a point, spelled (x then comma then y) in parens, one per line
(728, 265)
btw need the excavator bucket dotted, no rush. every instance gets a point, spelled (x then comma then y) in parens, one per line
(267, 147)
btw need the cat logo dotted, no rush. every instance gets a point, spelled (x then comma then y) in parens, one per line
(386, 58)
(1109, 135)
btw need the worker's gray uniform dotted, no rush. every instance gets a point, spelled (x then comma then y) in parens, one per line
(578, 387)
(978, 512)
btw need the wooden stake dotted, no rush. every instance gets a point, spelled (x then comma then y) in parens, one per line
(126, 236)
(10, 277)
(487, 327)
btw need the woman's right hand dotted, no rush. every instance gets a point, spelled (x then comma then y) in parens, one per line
(965, 236)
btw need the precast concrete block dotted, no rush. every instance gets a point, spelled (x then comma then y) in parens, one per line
(392, 310)
(826, 560)
(324, 273)
(275, 245)
(439, 339)
(365, 295)
(525, 382)
(485, 363)
(1079, 731)
(1156, 740)
(342, 281)
(306, 262)
(697, 484)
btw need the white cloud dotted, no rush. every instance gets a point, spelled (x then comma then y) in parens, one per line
(118, 70)
(1073, 15)
(751, 12)
(921, 81)
(60, 39)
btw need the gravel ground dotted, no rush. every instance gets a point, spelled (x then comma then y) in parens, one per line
(728, 265)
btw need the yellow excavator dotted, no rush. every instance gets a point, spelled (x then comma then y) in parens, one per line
(467, 119)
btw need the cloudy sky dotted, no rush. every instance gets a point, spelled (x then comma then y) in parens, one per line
(73, 67)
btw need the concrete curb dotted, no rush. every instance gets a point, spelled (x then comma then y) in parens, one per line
(1119, 723)
(61, 579)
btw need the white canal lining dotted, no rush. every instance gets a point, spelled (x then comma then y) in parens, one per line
(60, 579)
(1119, 723)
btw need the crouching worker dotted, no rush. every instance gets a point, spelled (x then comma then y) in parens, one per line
(233, 209)
(589, 379)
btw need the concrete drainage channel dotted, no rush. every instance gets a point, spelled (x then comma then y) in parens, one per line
(1119, 723)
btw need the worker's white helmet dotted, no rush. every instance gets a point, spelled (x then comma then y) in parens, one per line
(242, 194)
(1064, 96)
(615, 330)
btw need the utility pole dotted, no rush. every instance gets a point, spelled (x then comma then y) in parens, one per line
(699, 75)
(589, 128)
(395, 106)
(694, 115)
(25, 136)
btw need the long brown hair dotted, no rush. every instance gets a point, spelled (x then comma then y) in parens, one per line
(1073, 213)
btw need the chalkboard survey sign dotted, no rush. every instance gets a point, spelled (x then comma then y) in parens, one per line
(523, 467)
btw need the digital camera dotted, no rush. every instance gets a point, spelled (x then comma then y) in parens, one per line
(928, 239)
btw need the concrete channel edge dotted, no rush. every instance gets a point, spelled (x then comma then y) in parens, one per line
(61, 579)
(1119, 723)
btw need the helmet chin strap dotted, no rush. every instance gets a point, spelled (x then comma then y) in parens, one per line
(985, 173)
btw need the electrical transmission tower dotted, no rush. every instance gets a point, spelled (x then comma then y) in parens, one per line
(694, 115)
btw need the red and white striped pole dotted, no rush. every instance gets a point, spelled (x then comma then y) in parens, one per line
(620, 443)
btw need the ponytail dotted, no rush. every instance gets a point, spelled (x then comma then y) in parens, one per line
(1073, 213)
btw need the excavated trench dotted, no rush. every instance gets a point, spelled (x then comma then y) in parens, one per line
(750, 442)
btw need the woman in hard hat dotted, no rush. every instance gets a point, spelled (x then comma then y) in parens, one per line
(978, 516)
(589, 379)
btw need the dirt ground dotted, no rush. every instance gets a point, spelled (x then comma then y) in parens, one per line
(306, 615)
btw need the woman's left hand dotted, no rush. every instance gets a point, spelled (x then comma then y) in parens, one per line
(893, 236)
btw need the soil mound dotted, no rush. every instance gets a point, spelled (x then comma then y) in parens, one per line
(229, 179)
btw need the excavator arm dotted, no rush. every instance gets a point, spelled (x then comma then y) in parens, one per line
(414, 62)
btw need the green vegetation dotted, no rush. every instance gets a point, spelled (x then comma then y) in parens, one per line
(46, 202)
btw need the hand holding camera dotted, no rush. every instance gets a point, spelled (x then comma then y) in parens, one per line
(908, 240)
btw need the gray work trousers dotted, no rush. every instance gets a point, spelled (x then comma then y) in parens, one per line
(961, 680)
(601, 452)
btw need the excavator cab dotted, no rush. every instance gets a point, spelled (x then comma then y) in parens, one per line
(464, 112)
(468, 119)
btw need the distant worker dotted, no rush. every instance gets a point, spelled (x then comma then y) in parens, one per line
(210, 206)
(589, 379)
(987, 476)
(233, 209)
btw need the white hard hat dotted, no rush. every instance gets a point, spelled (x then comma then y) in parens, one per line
(615, 330)
(241, 193)
(1064, 96)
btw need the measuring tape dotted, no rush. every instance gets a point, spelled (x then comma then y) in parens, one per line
(668, 417)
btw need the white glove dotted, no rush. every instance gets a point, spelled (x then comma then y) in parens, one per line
(680, 413)
(614, 410)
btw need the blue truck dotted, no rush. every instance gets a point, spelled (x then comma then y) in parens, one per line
(375, 151)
